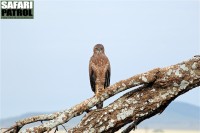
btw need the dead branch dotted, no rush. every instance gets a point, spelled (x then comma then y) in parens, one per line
(19, 124)
(163, 85)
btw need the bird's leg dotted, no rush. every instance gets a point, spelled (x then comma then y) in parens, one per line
(97, 91)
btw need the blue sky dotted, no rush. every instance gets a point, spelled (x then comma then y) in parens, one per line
(44, 61)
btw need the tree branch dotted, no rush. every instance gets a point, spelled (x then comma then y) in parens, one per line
(19, 124)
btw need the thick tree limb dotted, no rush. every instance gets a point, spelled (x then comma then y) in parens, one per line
(167, 84)
(144, 102)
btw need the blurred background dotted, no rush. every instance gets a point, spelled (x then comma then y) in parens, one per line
(44, 61)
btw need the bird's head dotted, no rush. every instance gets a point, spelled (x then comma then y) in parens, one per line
(98, 49)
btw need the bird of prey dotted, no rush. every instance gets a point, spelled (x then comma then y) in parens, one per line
(99, 71)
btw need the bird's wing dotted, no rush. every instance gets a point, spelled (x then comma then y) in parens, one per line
(92, 75)
(107, 75)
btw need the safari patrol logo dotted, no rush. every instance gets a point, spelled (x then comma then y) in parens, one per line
(17, 9)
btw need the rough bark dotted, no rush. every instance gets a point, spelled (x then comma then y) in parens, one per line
(161, 86)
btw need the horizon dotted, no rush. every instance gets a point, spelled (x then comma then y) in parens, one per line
(30, 113)
(173, 118)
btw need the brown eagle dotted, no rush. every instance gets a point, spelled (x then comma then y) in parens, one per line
(99, 71)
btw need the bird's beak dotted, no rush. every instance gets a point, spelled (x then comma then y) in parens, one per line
(99, 50)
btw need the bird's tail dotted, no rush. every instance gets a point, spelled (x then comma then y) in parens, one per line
(100, 105)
